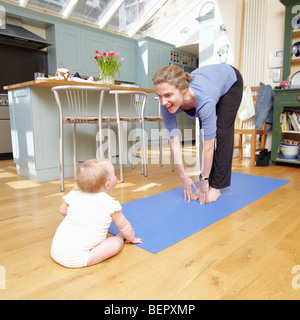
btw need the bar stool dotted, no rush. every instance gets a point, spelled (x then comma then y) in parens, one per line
(137, 105)
(74, 104)
(158, 118)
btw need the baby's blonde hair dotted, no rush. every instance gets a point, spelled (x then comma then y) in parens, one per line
(92, 175)
(173, 75)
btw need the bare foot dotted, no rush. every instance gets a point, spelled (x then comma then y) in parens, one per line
(214, 194)
(195, 195)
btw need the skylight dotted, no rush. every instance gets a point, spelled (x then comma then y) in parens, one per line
(134, 18)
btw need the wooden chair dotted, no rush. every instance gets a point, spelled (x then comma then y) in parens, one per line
(74, 108)
(253, 132)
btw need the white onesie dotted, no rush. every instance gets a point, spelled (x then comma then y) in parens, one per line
(85, 226)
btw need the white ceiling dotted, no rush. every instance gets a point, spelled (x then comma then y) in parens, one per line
(172, 21)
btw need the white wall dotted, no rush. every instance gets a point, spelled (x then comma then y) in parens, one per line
(229, 13)
(275, 35)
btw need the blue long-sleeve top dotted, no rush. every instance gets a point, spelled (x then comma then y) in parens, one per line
(210, 83)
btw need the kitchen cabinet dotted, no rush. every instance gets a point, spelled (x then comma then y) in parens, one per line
(69, 49)
(127, 49)
(34, 120)
(92, 42)
(152, 54)
(75, 45)
(75, 50)
(5, 136)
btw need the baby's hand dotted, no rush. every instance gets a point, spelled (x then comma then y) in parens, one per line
(136, 240)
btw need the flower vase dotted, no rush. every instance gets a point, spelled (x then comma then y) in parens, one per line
(108, 79)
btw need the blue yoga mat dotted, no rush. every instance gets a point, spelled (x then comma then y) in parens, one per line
(163, 219)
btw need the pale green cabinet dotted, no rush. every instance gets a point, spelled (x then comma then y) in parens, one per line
(152, 54)
(69, 49)
(93, 42)
(75, 48)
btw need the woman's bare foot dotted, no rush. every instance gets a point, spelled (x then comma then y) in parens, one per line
(214, 194)
(195, 195)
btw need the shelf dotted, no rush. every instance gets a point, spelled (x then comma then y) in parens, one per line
(290, 131)
(182, 58)
(296, 32)
(295, 161)
(295, 60)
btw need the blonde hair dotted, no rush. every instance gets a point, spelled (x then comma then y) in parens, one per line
(92, 175)
(173, 75)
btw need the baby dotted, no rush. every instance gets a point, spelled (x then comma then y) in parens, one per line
(81, 238)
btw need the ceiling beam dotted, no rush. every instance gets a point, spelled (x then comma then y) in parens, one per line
(145, 18)
(178, 19)
(69, 9)
(115, 5)
(23, 3)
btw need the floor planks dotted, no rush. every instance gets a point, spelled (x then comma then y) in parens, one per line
(247, 255)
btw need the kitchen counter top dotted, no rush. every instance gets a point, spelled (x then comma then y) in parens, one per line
(49, 83)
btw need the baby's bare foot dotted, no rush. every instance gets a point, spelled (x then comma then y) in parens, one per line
(214, 194)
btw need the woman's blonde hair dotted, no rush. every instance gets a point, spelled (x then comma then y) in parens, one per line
(173, 75)
(92, 175)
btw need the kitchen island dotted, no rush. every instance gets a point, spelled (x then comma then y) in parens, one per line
(35, 128)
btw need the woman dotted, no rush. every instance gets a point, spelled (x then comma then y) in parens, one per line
(213, 94)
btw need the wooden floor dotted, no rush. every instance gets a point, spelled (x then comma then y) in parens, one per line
(247, 255)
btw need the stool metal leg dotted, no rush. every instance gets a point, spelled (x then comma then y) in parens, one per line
(120, 136)
(61, 156)
(144, 151)
(109, 140)
(160, 143)
(74, 150)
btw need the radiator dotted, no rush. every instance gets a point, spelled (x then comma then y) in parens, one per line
(253, 52)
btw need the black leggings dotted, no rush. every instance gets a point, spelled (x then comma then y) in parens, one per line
(226, 110)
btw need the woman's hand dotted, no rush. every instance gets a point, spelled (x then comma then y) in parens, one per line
(203, 191)
(187, 188)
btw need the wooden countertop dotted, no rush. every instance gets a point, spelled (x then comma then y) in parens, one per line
(53, 82)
